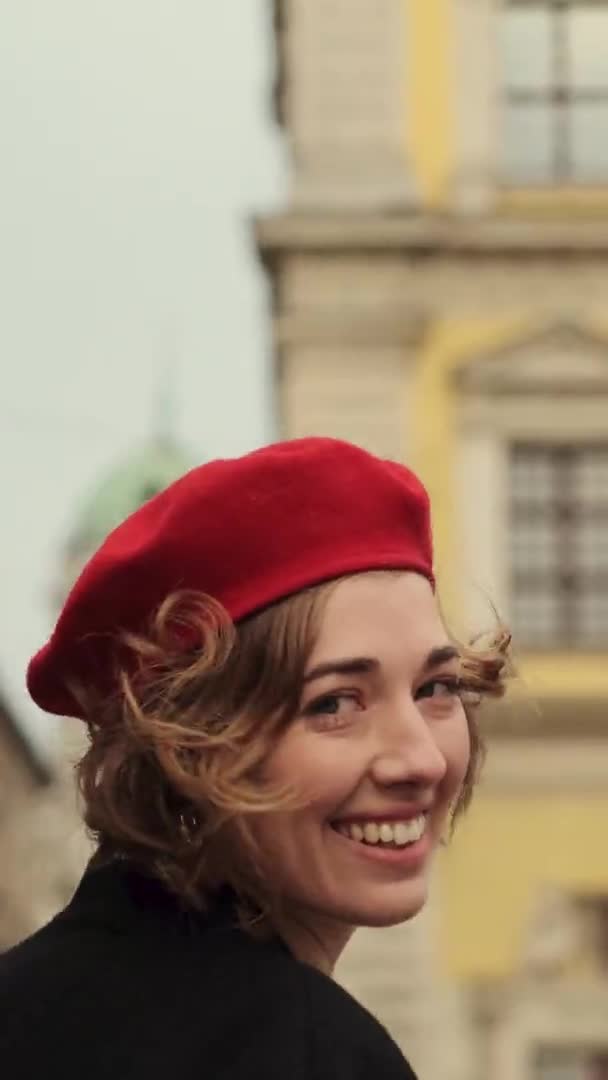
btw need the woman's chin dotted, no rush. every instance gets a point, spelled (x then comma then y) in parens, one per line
(390, 907)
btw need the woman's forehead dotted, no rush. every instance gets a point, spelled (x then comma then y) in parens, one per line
(375, 612)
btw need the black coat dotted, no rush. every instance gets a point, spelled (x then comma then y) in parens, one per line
(124, 985)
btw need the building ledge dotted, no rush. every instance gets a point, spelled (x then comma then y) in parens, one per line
(525, 718)
(563, 765)
(291, 233)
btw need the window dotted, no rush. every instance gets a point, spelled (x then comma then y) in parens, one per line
(554, 56)
(558, 537)
(570, 1063)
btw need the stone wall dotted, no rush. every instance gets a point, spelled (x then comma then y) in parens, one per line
(42, 845)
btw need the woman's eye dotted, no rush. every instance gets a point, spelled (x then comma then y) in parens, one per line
(332, 711)
(330, 705)
(435, 689)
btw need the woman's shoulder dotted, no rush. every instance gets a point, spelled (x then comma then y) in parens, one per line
(298, 1015)
(241, 1008)
(120, 959)
(348, 1041)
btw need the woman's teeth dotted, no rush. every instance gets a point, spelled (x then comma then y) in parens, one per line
(397, 833)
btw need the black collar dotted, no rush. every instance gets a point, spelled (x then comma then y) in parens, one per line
(121, 897)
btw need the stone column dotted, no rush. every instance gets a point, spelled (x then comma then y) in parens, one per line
(344, 103)
(476, 88)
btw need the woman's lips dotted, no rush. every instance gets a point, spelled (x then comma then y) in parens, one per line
(410, 854)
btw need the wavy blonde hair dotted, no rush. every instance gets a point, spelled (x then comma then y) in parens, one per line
(174, 768)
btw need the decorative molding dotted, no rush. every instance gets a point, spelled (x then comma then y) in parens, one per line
(526, 391)
(545, 417)
(560, 360)
(519, 1016)
(565, 937)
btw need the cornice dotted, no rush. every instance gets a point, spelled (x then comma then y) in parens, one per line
(289, 233)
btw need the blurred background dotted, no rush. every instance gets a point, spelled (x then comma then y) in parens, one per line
(385, 220)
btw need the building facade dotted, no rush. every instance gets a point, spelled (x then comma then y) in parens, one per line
(30, 888)
(438, 278)
(44, 846)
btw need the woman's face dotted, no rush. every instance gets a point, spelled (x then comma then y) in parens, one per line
(379, 749)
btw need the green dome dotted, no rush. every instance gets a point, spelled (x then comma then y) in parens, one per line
(125, 487)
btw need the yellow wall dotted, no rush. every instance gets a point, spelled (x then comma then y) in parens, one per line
(452, 343)
(508, 846)
(502, 854)
(430, 124)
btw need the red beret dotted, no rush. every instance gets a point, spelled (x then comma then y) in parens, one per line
(246, 531)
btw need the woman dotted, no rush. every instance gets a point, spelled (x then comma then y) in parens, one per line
(281, 733)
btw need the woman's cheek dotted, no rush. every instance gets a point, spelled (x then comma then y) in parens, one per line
(453, 742)
(458, 751)
(318, 765)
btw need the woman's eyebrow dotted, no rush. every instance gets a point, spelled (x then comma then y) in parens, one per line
(440, 655)
(354, 665)
(364, 665)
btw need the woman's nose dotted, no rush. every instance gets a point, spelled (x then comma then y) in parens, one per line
(406, 751)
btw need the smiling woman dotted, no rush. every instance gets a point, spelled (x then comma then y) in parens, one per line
(281, 733)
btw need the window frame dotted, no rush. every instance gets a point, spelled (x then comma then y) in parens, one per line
(570, 581)
(560, 96)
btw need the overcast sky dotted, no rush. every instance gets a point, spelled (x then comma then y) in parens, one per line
(136, 139)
